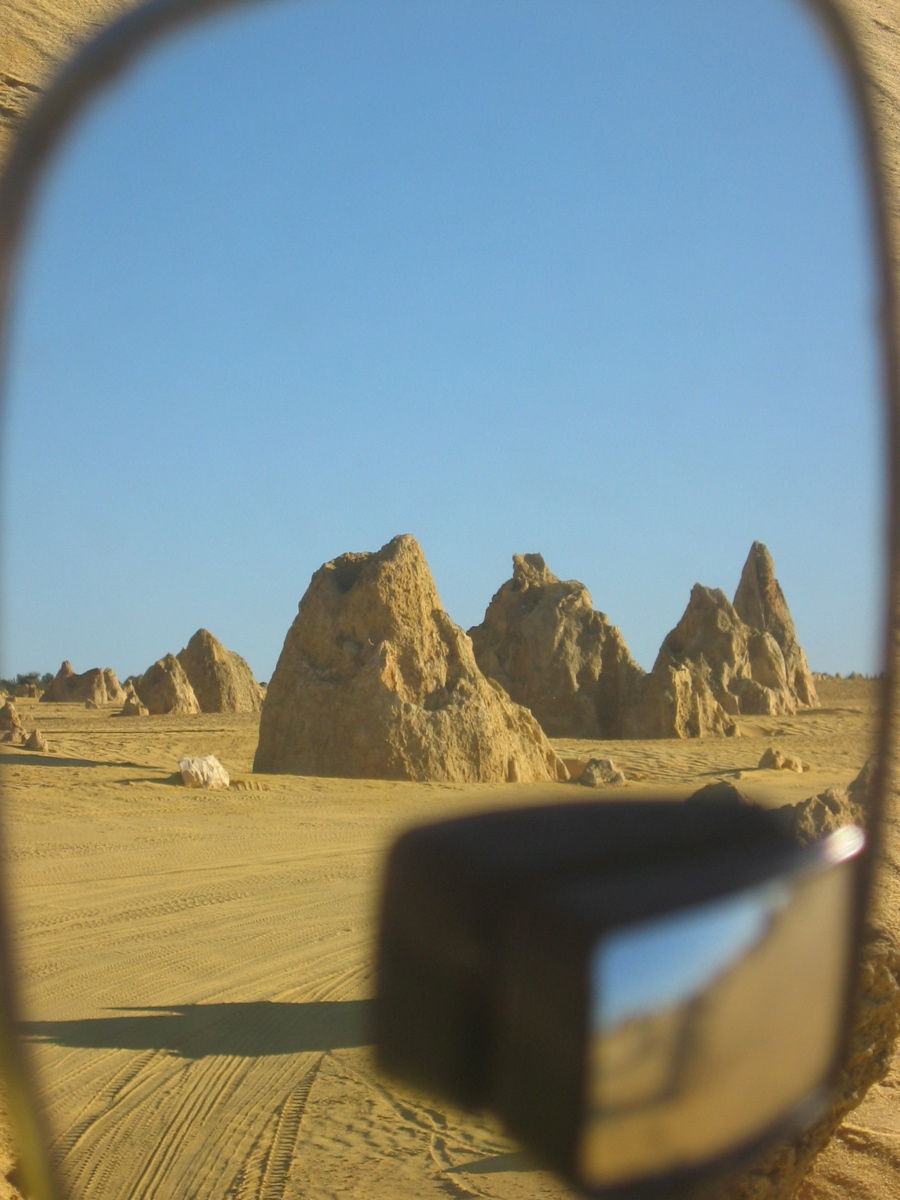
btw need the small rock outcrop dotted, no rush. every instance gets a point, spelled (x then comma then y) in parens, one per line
(774, 759)
(720, 791)
(164, 688)
(99, 685)
(133, 706)
(376, 681)
(9, 717)
(203, 772)
(36, 741)
(542, 640)
(760, 603)
(725, 660)
(811, 819)
(675, 700)
(601, 772)
(222, 680)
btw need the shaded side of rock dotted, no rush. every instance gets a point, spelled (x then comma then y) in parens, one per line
(601, 772)
(812, 819)
(760, 603)
(164, 688)
(719, 792)
(115, 692)
(222, 680)
(376, 681)
(546, 645)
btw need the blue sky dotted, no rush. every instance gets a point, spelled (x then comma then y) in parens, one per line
(585, 278)
(659, 963)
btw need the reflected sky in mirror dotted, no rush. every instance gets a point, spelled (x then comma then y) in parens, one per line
(712, 1024)
(657, 964)
(585, 279)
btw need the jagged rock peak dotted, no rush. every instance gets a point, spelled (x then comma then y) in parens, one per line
(99, 685)
(542, 640)
(530, 570)
(759, 600)
(760, 603)
(375, 681)
(165, 688)
(222, 680)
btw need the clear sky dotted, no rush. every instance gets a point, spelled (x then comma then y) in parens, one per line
(584, 277)
(659, 963)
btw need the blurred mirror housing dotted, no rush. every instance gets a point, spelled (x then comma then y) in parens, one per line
(642, 991)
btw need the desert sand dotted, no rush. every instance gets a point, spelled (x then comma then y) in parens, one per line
(196, 966)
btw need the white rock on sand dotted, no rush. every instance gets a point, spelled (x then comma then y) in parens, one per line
(203, 772)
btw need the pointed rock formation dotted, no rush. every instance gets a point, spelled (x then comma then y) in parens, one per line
(222, 680)
(542, 640)
(115, 693)
(714, 666)
(132, 706)
(36, 741)
(375, 681)
(99, 685)
(9, 716)
(164, 688)
(760, 603)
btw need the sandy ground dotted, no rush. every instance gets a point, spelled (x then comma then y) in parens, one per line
(197, 966)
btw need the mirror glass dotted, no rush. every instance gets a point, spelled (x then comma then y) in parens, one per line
(589, 280)
(711, 1023)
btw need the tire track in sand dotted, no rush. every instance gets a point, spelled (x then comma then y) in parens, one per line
(265, 1171)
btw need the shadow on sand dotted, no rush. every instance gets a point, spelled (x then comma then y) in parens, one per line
(249, 1030)
(495, 1164)
(36, 759)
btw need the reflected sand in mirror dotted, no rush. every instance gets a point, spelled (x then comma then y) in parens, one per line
(718, 1020)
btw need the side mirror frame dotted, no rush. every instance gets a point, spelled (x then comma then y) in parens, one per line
(105, 58)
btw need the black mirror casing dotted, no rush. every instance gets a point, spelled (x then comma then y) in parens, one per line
(488, 926)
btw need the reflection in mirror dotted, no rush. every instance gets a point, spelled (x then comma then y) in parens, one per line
(699, 1043)
(589, 280)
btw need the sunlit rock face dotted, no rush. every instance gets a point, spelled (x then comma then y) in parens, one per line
(675, 700)
(545, 644)
(375, 681)
(222, 680)
(164, 688)
(724, 660)
(760, 603)
(98, 686)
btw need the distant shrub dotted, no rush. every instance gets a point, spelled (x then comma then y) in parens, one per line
(35, 677)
